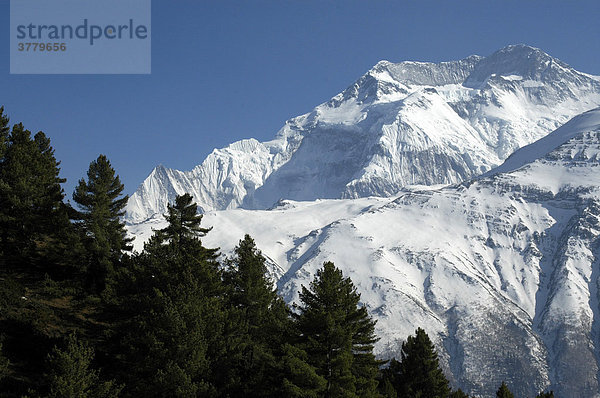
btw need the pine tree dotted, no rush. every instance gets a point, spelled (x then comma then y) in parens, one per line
(260, 320)
(386, 388)
(181, 241)
(504, 392)
(170, 300)
(70, 375)
(300, 379)
(101, 205)
(390, 383)
(31, 207)
(250, 288)
(418, 374)
(184, 223)
(164, 348)
(183, 232)
(338, 335)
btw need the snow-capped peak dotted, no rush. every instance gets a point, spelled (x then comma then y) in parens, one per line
(399, 124)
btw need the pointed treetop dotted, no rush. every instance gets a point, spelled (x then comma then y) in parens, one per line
(338, 334)
(504, 392)
(104, 184)
(419, 372)
(184, 222)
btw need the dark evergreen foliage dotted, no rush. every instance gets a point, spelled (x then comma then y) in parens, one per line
(418, 374)
(300, 378)
(504, 392)
(173, 321)
(172, 306)
(70, 374)
(101, 205)
(4, 132)
(184, 223)
(37, 243)
(4, 362)
(338, 335)
(259, 321)
(31, 207)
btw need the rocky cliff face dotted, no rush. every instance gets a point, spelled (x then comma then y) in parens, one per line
(399, 124)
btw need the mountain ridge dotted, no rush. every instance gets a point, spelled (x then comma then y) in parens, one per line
(499, 262)
(393, 127)
(501, 270)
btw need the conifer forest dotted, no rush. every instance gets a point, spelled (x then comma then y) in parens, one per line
(82, 315)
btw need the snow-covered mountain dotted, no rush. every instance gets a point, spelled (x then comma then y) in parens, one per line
(502, 271)
(399, 124)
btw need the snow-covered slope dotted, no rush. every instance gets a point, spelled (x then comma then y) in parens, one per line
(541, 147)
(501, 271)
(399, 124)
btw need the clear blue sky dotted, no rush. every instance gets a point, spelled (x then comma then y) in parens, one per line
(225, 70)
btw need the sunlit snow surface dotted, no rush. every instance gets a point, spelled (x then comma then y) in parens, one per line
(501, 271)
(400, 124)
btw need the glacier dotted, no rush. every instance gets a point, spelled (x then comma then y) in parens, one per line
(400, 124)
(501, 270)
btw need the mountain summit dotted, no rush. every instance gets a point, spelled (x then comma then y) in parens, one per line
(400, 124)
(502, 269)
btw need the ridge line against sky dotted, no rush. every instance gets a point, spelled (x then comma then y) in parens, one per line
(224, 71)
